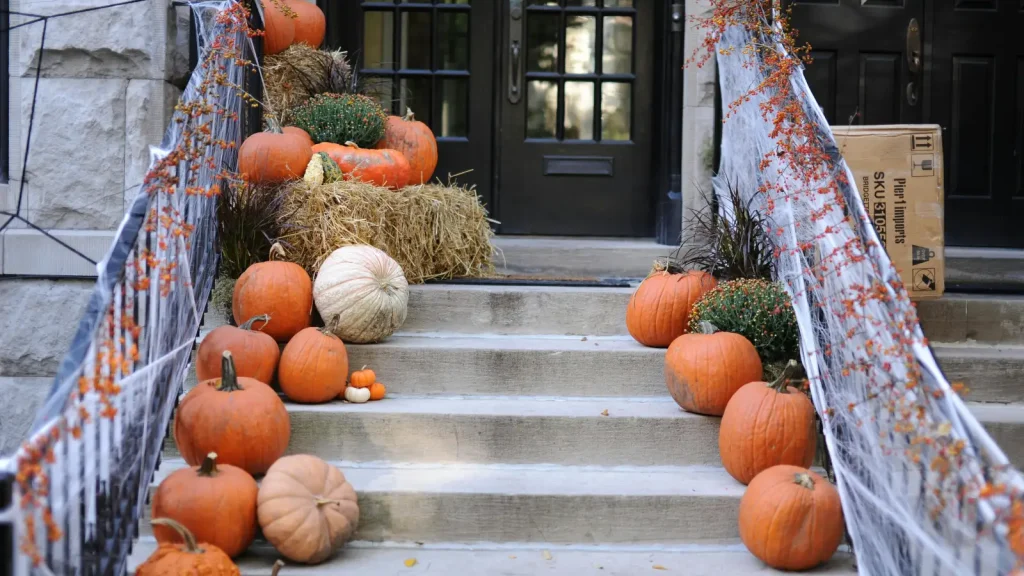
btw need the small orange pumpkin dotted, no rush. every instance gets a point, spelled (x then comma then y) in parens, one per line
(659, 310)
(281, 290)
(313, 366)
(362, 378)
(310, 25)
(778, 511)
(278, 25)
(274, 156)
(241, 419)
(765, 425)
(703, 370)
(216, 503)
(377, 391)
(416, 141)
(188, 558)
(382, 167)
(255, 353)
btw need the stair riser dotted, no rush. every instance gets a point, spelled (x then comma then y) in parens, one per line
(989, 379)
(490, 439)
(402, 516)
(573, 258)
(992, 320)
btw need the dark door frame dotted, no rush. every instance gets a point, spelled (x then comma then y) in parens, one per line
(345, 32)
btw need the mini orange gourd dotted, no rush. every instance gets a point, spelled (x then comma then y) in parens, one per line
(313, 366)
(659, 310)
(189, 558)
(765, 425)
(791, 518)
(217, 503)
(703, 370)
(377, 391)
(281, 290)
(255, 353)
(416, 141)
(362, 378)
(381, 167)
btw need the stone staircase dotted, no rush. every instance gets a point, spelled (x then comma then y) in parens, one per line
(525, 432)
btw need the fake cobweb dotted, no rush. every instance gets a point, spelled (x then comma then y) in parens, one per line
(925, 490)
(83, 476)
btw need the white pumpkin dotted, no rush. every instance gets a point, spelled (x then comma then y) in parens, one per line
(362, 294)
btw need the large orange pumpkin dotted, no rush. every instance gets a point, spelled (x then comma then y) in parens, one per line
(217, 503)
(281, 290)
(279, 26)
(416, 141)
(311, 25)
(296, 131)
(765, 425)
(241, 419)
(703, 370)
(306, 508)
(255, 353)
(189, 558)
(274, 156)
(314, 366)
(791, 518)
(659, 310)
(383, 167)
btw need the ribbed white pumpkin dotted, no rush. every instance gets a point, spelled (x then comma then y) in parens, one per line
(361, 294)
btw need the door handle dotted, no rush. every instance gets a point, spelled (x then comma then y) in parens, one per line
(913, 60)
(515, 48)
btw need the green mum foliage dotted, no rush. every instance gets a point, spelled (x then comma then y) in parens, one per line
(759, 310)
(342, 118)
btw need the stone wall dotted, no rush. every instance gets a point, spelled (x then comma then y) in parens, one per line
(699, 93)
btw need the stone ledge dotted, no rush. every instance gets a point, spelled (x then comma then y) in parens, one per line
(30, 253)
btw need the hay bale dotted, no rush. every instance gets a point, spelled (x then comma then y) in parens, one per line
(433, 231)
(299, 73)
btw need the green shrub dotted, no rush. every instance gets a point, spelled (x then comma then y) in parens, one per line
(342, 118)
(759, 310)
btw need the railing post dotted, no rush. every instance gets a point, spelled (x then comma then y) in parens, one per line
(7, 545)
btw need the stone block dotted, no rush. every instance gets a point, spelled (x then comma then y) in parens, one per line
(149, 106)
(77, 161)
(38, 318)
(177, 60)
(129, 41)
(20, 399)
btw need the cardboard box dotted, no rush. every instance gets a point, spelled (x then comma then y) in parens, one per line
(898, 170)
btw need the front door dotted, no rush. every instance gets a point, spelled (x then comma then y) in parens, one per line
(574, 152)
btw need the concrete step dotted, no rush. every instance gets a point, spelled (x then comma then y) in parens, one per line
(521, 559)
(971, 269)
(577, 257)
(992, 373)
(551, 504)
(509, 430)
(988, 319)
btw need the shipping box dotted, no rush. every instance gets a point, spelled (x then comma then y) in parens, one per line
(898, 171)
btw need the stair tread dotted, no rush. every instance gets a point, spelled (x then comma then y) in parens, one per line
(529, 480)
(543, 342)
(521, 559)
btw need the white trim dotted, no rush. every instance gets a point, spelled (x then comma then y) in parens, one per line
(29, 252)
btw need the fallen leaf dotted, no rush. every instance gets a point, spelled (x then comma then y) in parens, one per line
(659, 567)
(605, 413)
(547, 555)
(512, 557)
(410, 562)
(584, 339)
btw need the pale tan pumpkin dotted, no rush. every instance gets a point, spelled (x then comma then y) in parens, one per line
(306, 508)
(361, 293)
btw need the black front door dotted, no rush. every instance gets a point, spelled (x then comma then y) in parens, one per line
(978, 97)
(574, 152)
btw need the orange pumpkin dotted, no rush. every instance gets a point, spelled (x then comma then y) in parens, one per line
(377, 391)
(703, 370)
(416, 141)
(659, 310)
(362, 378)
(382, 167)
(255, 353)
(791, 518)
(241, 419)
(216, 503)
(310, 25)
(300, 133)
(274, 156)
(278, 25)
(281, 290)
(313, 366)
(765, 425)
(189, 558)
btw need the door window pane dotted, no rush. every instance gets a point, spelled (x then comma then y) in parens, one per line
(581, 2)
(580, 44)
(618, 3)
(542, 109)
(542, 42)
(380, 88)
(416, 40)
(379, 39)
(616, 110)
(454, 119)
(579, 110)
(542, 3)
(451, 1)
(453, 35)
(415, 93)
(618, 45)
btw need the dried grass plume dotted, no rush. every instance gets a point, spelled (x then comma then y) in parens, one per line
(301, 72)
